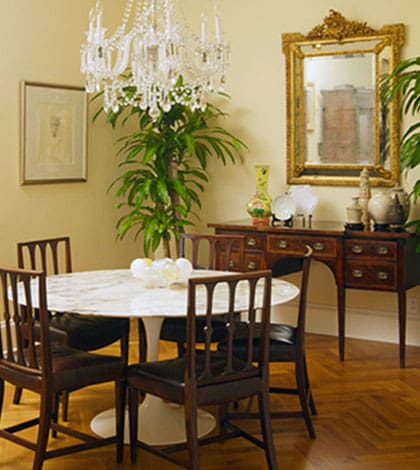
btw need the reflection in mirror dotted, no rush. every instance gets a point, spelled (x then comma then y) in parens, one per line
(344, 109)
(336, 122)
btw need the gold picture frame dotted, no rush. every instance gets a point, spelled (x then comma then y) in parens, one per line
(337, 121)
(309, 106)
(53, 133)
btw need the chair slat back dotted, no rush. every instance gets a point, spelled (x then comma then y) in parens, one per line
(51, 255)
(252, 290)
(24, 338)
(222, 252)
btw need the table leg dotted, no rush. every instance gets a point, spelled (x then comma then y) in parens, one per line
(160, 422)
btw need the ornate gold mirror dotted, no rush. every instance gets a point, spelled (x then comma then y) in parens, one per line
(336, 122)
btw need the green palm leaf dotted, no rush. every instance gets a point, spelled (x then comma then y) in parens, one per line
(165, 165)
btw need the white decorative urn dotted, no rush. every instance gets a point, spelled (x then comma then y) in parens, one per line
(378, 207)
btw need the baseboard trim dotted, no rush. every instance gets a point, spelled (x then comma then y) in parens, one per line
(360, 323)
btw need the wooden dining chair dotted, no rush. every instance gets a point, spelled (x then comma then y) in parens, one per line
(287, 344)
(221, 252)
(29, 359)
(85, 332)
(207, 377)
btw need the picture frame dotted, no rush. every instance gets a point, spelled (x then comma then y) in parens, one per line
(53, 133)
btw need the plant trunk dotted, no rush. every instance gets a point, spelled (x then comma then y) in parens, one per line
(166, 248)
(173, 174)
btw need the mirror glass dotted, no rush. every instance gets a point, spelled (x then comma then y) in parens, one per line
(336, 122)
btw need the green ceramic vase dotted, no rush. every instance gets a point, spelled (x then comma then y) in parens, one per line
(259, 206)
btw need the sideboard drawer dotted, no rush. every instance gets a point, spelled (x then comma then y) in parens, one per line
(254, 242)
(322, 246)
(378, 249)
(253, 261)
(366, 275)
(234, 261)
(253, 257)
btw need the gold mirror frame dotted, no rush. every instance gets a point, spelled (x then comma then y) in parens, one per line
(340, 38)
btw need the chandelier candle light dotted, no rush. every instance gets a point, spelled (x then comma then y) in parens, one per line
(153, 60)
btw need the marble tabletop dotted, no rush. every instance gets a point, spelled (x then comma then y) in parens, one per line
(115, 292)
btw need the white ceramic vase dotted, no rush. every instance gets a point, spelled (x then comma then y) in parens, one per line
(304, 198)
(354, 212)
(378, 207)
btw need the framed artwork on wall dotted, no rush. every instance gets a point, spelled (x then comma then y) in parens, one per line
(53, 133)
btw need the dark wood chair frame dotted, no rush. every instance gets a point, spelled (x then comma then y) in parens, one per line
(287, 344)
(30, 360)
(207, 377)
(53, 256)
(221, 252)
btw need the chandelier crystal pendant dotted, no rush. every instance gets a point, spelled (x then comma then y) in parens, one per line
(153, 60)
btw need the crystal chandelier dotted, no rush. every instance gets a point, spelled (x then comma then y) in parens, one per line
(153, 60)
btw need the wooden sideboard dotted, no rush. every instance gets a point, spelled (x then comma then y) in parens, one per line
(380, 261)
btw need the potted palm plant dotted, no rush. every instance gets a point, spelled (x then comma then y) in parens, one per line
(404, 82)
(164, 166)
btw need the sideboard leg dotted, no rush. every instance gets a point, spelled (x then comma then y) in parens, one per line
(341, 312)
(402, 320)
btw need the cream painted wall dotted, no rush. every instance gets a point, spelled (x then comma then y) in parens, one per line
(41, 43)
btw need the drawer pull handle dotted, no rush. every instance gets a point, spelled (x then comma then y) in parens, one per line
(252, 265)
(251, 242)
(382, 250)
(283, 244)
(357, 273)
(383, 276)
(318, 246)
(231, 263)
(357, 249)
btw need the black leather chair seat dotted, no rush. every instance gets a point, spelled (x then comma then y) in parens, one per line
(173, 370)
(282, 342)
(68, 362)
(97, 368)
(88, 331)
(169, 375)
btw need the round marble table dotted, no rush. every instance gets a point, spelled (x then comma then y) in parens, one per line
(117, 293)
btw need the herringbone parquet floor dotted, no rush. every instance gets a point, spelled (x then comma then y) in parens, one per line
(369, 418)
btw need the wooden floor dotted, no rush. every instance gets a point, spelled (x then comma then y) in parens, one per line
(369, 418)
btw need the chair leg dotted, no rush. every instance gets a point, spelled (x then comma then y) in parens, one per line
(222, 412)
(120, 394)
(133, 406)
(192, 434)
(181, 348)
(124, 347)
(55, 411)
(266, 428)
(17, 396)
(303, 397)
(65, 405)
(1, 395)
(46, 408)
(309, 390)
(142, 341)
